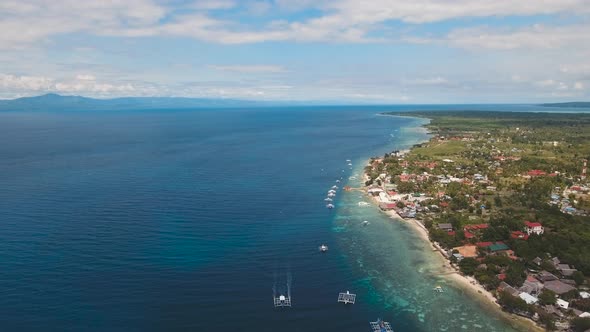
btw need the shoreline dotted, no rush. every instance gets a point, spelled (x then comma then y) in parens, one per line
(466, 283)
(448, 271)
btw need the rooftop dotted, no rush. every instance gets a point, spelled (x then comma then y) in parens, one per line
(498, 246)
(532, 224)
(558, 287)
(467, 251)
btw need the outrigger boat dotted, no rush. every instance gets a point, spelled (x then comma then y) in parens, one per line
(380, 326)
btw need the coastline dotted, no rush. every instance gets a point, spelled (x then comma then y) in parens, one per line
(451, 273)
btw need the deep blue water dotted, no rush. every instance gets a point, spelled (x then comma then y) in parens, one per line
(185, 220)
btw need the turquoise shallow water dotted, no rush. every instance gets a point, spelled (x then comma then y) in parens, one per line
(397, 269)
(185, 221)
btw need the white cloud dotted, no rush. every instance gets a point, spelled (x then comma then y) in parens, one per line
(24, 83)
(81, 84)
(86, 77)
(535, 37)
(250, 68)
(213, 4)
(340, 21)
(428, 81)
(35, 21)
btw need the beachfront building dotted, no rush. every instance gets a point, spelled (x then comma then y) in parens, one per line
(467, 251)
(558, 287)
(445, 227)
(533, 228)
(528, 298)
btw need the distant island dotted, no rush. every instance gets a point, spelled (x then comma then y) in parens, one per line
(573, 104)
(52, 101)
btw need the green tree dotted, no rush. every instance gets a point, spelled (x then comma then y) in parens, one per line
(547, 319)
(515, 275)
(578, 277)
(468, 265)
(547, 297)
(406, 187)
(498, 201)
(513, 303)
(580, 324)
(581, 304)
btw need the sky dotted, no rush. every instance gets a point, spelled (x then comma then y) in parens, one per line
(351, 51)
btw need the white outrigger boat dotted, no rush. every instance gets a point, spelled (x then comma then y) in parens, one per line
(380, 326)
(323, 248)
(330, 206)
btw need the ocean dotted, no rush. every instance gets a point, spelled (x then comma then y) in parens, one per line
(190, 220)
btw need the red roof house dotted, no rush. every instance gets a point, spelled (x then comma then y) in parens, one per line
(519, 235)
(536, 172)
(468, 235)
(476, 227)
(533, 227)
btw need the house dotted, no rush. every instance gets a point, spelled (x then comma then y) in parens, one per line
(565, 269)
(536, 172)
(387, 206)
(468, 235)
(562, 304)
(519, 235)
(584, 295)
(375, 191)
(551, 309)
(507, 288)
(483, 244)
(533, 228)
(558, 287)
(531, 286)
(467, 251)
(538, 261)
(545, 276)
(498, 247)
(445, 227)
(476, 227)
(528, 298)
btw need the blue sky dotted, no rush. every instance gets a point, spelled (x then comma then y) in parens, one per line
(368, 51)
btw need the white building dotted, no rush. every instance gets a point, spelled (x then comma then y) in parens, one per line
(562, 304)
(528, 298)
(533, 228)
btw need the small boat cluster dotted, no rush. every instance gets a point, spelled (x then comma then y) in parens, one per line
(332, 192)
(330, 197)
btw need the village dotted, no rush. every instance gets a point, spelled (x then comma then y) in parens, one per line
(505, 207)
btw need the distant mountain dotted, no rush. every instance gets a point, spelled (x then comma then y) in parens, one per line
(54, 101)
(577, 104)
